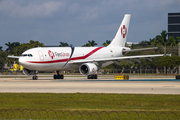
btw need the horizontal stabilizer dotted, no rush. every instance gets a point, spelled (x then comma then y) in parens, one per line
(132, 50)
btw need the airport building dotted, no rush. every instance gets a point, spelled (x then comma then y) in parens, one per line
(173, 25)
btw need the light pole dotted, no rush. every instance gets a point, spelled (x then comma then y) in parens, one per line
(179, 55)
(165, 56)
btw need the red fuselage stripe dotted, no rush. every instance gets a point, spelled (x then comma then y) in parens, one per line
(65, 60)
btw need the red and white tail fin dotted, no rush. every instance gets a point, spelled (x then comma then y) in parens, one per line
(121, 35)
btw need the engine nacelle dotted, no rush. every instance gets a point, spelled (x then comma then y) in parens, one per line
(29, 72)
(88, 69)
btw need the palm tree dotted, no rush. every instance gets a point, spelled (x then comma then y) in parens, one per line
(159, 39)
(177, 40)
(106, 43)
(144, 43)
(90, 44)
(154, 42)
(171, 41)
(63, 44)
(86, 45)
(11, 47)
(163, 36)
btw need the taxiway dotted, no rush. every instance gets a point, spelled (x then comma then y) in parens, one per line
(83, 85)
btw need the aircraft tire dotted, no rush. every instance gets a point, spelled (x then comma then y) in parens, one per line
(58, 76)
(55, 76)
(61, 76)
(95, 76)
(35, 77)
(92, 76)
(89, 77)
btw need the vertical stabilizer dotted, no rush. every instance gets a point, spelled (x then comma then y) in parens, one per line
(121, 35)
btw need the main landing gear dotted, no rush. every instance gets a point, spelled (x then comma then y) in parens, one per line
(35, 77)
(58, 76)
(92, 76)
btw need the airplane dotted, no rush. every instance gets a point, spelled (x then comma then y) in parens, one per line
(87, 59)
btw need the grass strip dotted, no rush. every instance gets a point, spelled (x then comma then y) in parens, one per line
(89, 101)
(85, 105)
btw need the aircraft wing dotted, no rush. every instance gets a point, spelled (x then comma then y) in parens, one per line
(9, 56)
(119, 58)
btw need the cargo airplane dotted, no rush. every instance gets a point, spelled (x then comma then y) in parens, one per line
(86, 59)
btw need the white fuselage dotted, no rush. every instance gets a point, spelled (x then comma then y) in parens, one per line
(61, 58)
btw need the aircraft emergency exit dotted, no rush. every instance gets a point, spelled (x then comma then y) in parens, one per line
(86, 59)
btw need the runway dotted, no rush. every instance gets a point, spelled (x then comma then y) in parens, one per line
(83, 85)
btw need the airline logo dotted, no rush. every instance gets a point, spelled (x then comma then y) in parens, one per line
(62, 54)
(51, 54)
(123, 31)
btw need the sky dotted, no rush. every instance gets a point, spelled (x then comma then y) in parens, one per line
(77, 21)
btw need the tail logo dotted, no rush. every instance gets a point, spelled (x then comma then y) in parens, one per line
(123, 31)
(51, 54)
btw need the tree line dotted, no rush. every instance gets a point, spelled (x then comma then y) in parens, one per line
(164, 44)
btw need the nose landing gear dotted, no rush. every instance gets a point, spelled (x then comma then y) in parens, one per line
(34, 75)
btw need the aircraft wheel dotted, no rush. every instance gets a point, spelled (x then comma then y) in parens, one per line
(89, 77)
(61, 76)
(55, 76)
(95, 76)
(35, 77)
(58, 76)
(92, 77)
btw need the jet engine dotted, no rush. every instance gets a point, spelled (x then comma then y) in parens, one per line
(29, 72)
(88, 69)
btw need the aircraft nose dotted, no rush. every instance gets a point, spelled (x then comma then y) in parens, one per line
(21, 61)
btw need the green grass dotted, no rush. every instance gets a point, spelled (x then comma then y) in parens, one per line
(79, 104)
(89, 101)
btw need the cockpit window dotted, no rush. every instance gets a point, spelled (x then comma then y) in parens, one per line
(29, 55)
(24, 55)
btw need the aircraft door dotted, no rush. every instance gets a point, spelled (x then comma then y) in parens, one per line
(41, 57)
